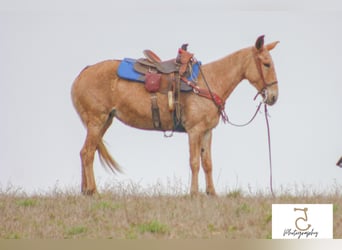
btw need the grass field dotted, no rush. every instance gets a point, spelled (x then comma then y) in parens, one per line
(127, 212)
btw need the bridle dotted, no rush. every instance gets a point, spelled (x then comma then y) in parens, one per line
(263, 90)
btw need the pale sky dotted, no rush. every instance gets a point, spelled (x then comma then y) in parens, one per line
(44, 46)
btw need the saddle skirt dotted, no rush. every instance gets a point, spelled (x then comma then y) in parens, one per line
(129, 70)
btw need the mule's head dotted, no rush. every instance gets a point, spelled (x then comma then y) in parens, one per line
(261, 72)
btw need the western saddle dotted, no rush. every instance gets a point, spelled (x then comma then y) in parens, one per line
(152, 61)
(152, 67)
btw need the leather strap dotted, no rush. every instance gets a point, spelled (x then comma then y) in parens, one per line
(155, 112)
(206, 94)
(258, 64)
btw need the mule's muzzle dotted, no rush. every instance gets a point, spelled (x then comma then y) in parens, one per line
(270, 93)
(270, 97)
(271, 100)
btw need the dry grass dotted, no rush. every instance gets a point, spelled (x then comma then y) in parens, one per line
(124, 212)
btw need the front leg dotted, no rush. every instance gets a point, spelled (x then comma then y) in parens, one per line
(207, 162)
(195, 154)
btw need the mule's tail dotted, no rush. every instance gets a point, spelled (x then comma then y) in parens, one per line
(106, 159)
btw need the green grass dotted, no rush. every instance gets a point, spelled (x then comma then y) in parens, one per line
(74, 231)
(154, 227)
(26, 202)
(106, 205)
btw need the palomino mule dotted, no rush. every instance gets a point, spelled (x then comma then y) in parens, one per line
(99, 95)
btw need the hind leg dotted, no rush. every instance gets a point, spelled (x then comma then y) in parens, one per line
(87, 158)
(95, 133)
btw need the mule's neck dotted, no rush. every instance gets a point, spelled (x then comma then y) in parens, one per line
(225, 74)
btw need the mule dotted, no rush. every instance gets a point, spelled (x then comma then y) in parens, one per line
(99, 95)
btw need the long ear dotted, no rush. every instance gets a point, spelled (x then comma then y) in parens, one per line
(271, 46)
(259, 42)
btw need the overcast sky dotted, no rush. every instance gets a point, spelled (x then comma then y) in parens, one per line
(44, 46)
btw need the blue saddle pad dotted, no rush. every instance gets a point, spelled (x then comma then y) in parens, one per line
(126, 71)
(195, 71)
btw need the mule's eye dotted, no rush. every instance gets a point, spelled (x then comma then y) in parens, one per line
(267, 65)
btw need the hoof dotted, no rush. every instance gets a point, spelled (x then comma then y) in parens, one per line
(90, 192)
(194, 193)
(211, 192)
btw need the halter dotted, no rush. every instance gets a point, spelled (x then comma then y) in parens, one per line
(265, 84)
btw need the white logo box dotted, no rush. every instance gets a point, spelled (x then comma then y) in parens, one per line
(302, 221)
